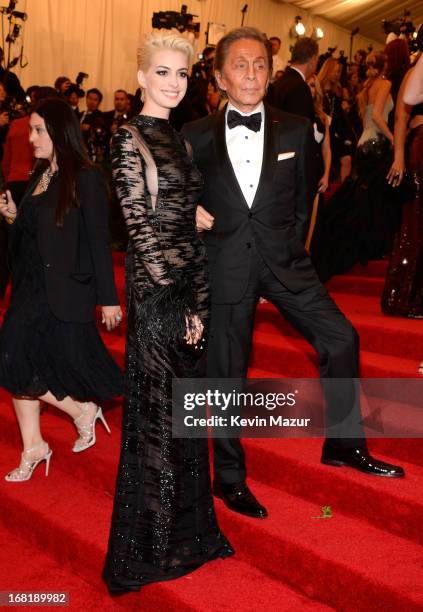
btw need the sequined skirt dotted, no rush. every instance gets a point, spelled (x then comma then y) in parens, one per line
(403, 290)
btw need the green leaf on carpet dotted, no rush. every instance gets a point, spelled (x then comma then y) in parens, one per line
(326, 513)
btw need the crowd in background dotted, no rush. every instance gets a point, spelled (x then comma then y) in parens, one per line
(339, 92)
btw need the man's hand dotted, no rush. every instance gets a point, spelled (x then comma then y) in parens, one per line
(203, 219)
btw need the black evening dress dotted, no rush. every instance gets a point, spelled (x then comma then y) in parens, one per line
(39, 352)
(163, 523)
(403, 290)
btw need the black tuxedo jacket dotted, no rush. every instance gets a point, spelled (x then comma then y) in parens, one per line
(277, 221)
(292, 94)
(76, 257)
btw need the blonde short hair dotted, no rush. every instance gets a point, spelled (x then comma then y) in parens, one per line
(159, 40)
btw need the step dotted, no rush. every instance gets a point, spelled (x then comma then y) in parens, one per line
(24, 567)
(373, 268)
(361, 285)
(379, 333)
(294, 467)
(83, 528)
(294, 357)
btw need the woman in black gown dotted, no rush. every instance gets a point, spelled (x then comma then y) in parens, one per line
(403, 290)
(163, 523)
(50, 348)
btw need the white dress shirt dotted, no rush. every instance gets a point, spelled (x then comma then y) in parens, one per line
(245, 150)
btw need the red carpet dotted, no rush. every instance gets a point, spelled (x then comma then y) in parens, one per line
(367, 556)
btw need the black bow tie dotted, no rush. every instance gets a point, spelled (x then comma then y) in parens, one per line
(252, 122)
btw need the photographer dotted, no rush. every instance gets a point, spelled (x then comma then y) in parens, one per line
(72, 96)
(119, 115)
(10, 81)
(93, 126)
(204, 68)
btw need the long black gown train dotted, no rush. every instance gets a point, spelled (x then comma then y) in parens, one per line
(163, 523)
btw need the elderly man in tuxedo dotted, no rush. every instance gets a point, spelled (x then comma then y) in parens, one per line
(256, 166)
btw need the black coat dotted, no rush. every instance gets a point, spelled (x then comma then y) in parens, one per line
(76, 257)
(278, 218)
(292, 94)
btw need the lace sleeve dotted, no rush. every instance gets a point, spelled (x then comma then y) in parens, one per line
(130, 183)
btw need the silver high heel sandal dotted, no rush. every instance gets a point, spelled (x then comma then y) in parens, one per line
(87, 432)
(27, 465)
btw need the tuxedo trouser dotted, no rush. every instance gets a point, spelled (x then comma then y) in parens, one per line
(314, 314)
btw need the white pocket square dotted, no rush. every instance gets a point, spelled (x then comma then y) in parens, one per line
(282, 156)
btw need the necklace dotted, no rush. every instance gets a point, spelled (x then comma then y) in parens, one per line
(45, 179)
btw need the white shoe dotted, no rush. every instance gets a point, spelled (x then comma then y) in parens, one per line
(87, 432)
(28, 465)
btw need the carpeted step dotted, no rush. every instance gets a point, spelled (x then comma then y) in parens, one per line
(394, 336)
(76, 533)
(361, 285)
(294, 357)
(376, 268)
(24, 567)
(393, 504)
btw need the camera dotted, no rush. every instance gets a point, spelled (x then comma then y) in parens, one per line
(169, 20)
(80, 77)
(13, 109)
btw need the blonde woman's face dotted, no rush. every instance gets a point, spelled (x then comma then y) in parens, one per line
(165, 82)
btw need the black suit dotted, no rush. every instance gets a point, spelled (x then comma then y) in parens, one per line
(77, 258)
(257, 252)
(292, 94)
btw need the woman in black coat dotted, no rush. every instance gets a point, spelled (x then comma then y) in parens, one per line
(50, 348)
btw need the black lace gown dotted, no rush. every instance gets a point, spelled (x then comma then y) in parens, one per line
(163, 523)
(39, 352)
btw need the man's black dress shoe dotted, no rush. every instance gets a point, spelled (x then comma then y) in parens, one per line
(239, 498)
(360, 459)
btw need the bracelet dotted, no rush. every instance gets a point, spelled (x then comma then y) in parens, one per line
(9, 220)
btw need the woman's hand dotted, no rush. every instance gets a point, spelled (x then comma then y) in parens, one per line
(396, 173)
(194, 329)
(323, 184)
(7, 206)
(111, 316)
